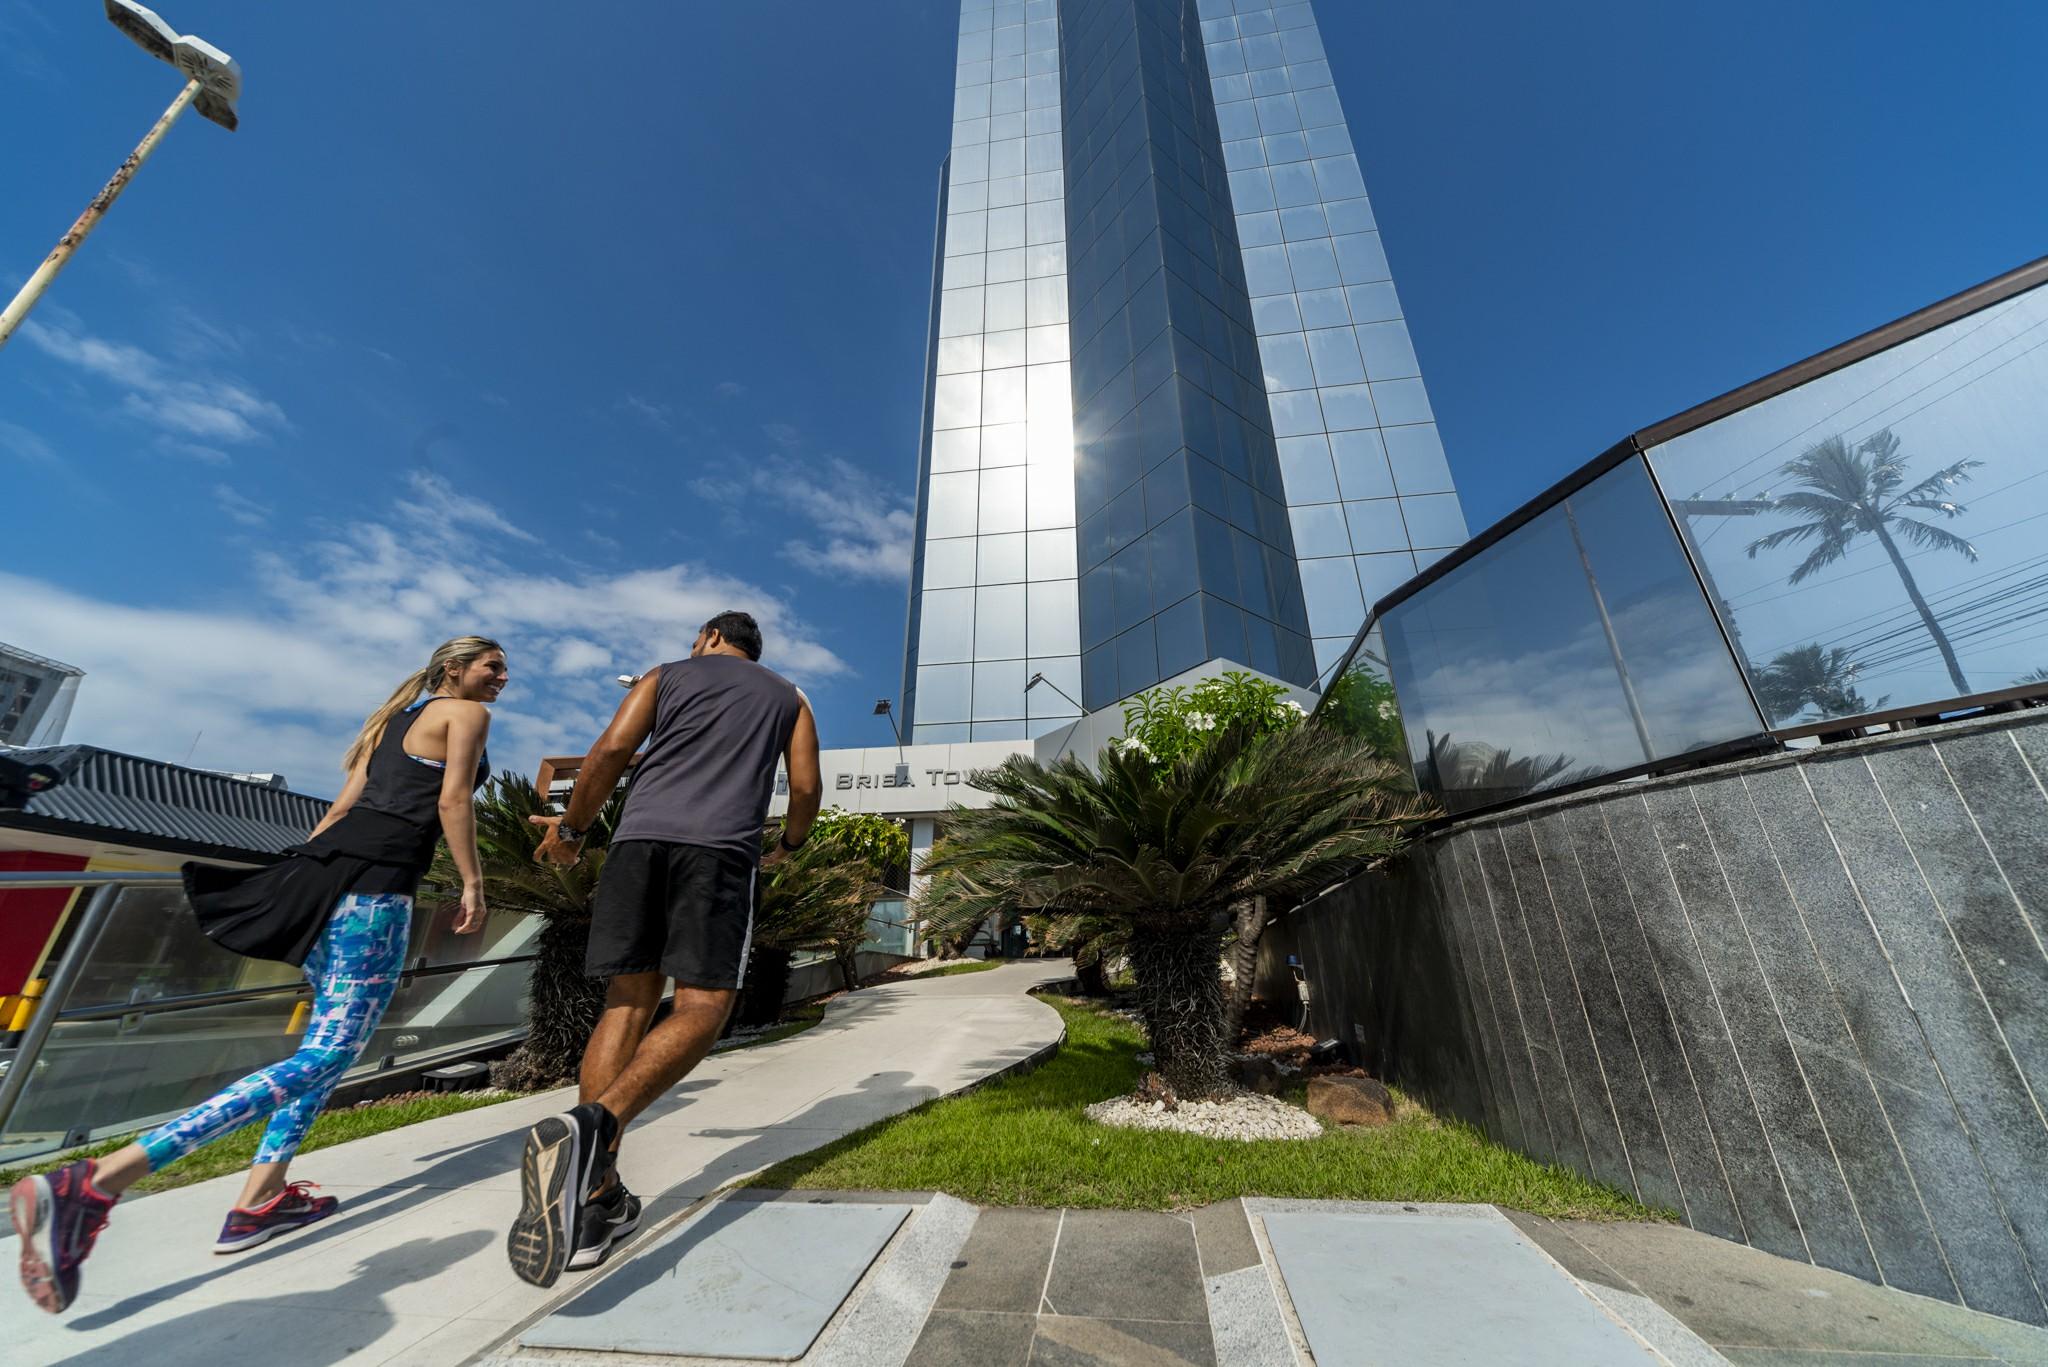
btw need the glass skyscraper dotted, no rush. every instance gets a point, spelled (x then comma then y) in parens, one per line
(1172, 413)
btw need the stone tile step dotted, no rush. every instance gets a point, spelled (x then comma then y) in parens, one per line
(753, 1280)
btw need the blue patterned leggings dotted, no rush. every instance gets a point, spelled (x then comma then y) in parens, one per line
(354, 969)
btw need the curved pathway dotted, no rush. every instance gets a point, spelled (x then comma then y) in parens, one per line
(412, 1270)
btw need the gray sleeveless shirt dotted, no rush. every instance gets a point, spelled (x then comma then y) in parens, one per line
(721, 723)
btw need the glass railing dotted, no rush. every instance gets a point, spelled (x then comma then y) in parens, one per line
(1873, 538)
(144, 1016)
(1849, 542)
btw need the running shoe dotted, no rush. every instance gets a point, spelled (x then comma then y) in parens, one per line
(565, 1160)
(58, 1216)
(291, 1208)
(608, 1219)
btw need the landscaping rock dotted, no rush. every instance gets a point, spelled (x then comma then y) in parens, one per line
(1350, 1101)
(1240, 1115)
(1258, 1073)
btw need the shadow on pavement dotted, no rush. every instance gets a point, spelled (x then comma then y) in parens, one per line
(280, 1328)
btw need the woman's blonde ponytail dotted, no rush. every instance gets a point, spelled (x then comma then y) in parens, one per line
(457, 652)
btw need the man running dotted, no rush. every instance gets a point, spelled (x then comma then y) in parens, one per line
(676, 900)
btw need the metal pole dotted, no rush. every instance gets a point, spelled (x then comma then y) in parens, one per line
(1628, 687)
(97, 913)
(67, 246)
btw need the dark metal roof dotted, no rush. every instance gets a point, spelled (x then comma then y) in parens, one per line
(125, 800)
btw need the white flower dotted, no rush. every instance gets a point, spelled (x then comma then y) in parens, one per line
(1132, 745)
(1386, 711)
(1201, 721)
(1292, 706)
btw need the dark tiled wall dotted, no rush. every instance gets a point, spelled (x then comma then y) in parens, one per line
(1802, 1001)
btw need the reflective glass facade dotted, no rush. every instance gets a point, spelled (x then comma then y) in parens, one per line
(994, 582)
(1122, 458)
(1186, 554)
(1367, 488)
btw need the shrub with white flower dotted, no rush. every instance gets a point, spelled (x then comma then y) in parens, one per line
(1165, 724)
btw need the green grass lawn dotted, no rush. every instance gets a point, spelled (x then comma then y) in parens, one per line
(238, 1150)
(1023, 1141)
(794, 1022)
(964, 966)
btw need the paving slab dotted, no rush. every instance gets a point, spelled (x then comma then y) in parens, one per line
(1426, 1287)
(746, 1279)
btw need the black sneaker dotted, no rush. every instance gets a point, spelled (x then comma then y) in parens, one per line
(607, 1219)
(564, 1159)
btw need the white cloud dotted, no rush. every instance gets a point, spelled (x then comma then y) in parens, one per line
(240, 507)
(730, 389)
(18, 441)
(576, 657)
(185, 404)
(277, 676)
(659, 416)
(436, 501)
(865, 528)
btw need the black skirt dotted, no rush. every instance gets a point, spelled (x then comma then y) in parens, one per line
(278, 912)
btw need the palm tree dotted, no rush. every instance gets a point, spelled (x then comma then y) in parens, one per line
(1813, 676)
(1485, 774)
(810, 902)
(562, 1005)
(1844, 494)
(1161, 854)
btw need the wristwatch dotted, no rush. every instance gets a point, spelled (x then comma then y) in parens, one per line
(569, 835)
(782, 843)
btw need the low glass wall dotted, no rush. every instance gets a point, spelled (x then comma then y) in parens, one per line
(1576, 646)
(1873, 538)
(133, 1045)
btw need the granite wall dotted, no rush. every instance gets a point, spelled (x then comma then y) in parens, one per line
(1800, 1000)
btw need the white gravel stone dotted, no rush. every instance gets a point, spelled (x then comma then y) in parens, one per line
(1242, 1115)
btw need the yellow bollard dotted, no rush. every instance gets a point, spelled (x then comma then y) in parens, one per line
(297, 1026)
(23, 1006)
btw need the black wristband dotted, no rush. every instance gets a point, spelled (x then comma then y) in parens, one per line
(569, 835)
(782, 843)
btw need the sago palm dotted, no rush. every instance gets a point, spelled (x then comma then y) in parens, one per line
(562, 1005)
(1159, 856)
(1844, 494)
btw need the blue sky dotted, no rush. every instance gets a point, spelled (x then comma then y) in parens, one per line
(576, 331)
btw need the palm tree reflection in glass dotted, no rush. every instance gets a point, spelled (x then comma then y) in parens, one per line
(1845, 493)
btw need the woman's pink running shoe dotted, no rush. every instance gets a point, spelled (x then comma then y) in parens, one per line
(57, 1215)
(288, 1210)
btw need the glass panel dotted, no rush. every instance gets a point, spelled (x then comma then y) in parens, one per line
(1361, 700)
(999, 626)
(944, 692)
(1578, 645)
(1002, 560)
(949, 507)
(946, 629)
(1873, 537)
(949, 564)
(102, 1077)
(1055, 618)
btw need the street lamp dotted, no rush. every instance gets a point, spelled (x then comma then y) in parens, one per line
(213, 82)
(1037, 679)
(882, 706)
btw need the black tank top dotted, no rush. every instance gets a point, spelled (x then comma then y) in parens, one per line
(397, 818)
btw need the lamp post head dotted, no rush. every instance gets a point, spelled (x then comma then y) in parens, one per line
(882, 706)
(219, 75)
(1036, 680)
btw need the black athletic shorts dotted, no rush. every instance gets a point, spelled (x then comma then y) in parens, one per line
(683, 910)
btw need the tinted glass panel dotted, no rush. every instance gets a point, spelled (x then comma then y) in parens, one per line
(1578, 645)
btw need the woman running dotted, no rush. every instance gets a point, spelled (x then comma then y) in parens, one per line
(341, 906)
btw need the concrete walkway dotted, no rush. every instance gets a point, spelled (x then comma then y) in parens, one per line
(412, 1270)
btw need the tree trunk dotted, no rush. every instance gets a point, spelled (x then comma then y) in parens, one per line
(1180, 995)
(766, 984)
(1244, 966)
(1948, 652)
(562, 1007)
(849, 967)
(1093, 978)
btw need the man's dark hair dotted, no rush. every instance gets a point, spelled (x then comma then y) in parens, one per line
(739, 629)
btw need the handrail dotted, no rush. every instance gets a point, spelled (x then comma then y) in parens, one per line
(90, 880)
(228, 996)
